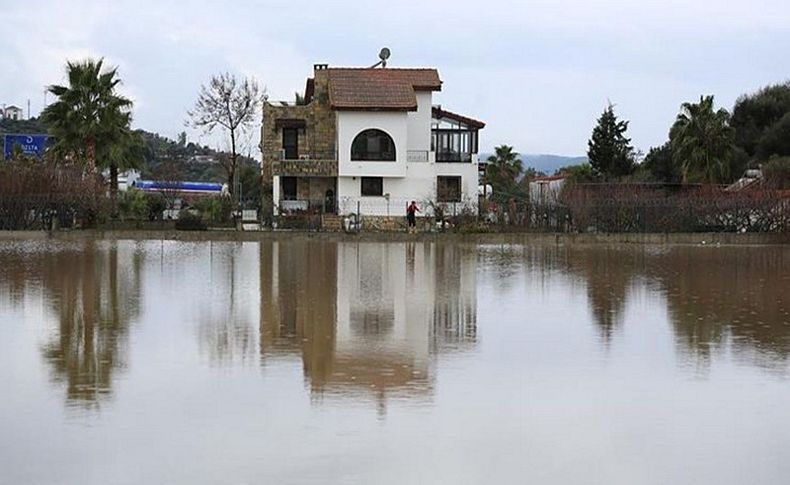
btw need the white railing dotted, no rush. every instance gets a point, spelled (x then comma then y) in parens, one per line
(417, 156)
(325, 155)
(294, 205)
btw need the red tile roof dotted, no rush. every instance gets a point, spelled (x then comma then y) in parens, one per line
(379, 89)
(549, 178)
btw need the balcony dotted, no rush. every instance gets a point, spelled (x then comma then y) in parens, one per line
(449, 156)
(309, 164)
(454, 145)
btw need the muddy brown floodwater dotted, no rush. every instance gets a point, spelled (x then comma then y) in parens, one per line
(309, 361)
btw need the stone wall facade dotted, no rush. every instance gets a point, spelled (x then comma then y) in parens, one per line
(317, 141)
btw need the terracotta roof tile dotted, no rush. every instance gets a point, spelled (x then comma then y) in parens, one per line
(379, 89)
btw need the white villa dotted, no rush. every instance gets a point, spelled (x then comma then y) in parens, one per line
(12, 113)
(368, 141)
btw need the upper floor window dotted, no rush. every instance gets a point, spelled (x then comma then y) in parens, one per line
(373, 145)
(291, 143)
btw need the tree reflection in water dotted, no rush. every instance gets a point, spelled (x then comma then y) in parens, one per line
(95, 302)
(93, 290)
(719, 299)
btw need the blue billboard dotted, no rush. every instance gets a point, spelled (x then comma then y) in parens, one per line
(31, 145)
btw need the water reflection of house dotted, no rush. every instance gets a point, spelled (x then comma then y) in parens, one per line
(366, 317)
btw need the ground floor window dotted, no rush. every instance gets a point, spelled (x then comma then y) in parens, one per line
(448, 189)
(372, 186)
(289, 188)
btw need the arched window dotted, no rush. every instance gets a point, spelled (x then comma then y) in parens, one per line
(374, 145)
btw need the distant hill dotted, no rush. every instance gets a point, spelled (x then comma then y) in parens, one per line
(191, 161)
(545, 163)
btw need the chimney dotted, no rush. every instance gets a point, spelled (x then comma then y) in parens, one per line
(320, 67)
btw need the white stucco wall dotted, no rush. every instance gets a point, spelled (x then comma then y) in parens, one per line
(402, 180)
(418, 185)
(351, 123)
(542, 191)
(419, 123)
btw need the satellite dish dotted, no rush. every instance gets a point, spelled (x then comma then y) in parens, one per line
(384, 54)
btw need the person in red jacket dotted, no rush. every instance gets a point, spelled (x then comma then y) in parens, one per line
(411, 216)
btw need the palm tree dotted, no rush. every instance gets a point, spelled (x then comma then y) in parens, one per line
(702, 140)
(88, 116)
(503, 170)
(125, 153)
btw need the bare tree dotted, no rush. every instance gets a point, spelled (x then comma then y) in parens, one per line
(169, 175)
(231, 104)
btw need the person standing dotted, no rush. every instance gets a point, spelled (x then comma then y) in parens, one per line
(411, 216)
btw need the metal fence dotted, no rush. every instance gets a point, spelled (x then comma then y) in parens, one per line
(621, 208)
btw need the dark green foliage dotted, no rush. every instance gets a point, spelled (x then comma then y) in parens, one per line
(30, 126)
(531, 173)
(133, 205)
(157, 204)
(188, 221)
(250, 178)
(215, 209)
(775, 140)
(777, 173)
(609, 151)
(661, 166)
(754, 115)
(195, 162)
(580, 174)
(702, 142)
(89, 119)
(503, 172)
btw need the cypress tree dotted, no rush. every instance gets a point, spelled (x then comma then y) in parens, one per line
(609, 151)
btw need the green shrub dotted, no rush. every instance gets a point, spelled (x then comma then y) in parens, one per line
(156, 206)
(215, 210)
(133, 204)
(188, 221)
(777, 173)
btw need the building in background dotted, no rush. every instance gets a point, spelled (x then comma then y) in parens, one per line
(368, 141)
(13, 113)
(546, 190)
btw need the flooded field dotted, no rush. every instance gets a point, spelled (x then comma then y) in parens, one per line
(413, 362)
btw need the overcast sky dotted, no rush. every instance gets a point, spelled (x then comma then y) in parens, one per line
(537, 72)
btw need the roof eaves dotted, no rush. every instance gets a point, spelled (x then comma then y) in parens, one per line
(442, 113)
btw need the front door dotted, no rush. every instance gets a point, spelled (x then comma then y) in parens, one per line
(329, 201)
